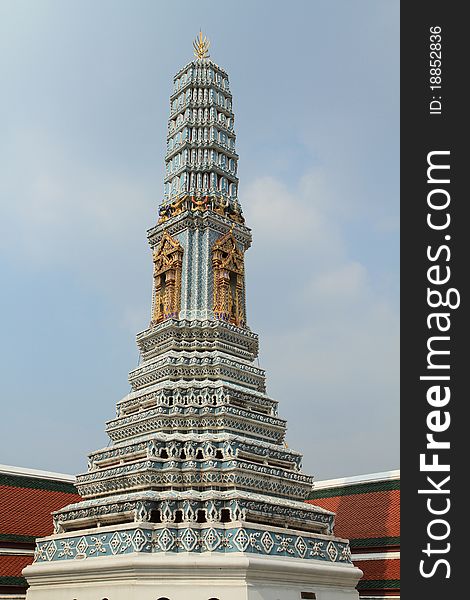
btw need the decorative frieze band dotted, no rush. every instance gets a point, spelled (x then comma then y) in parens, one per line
(228, 419)
(119, 480)
(251, 540)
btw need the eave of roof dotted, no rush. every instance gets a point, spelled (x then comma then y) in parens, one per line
(357, 479)
(35, 473)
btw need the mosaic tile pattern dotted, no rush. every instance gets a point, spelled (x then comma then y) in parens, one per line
(189, 539)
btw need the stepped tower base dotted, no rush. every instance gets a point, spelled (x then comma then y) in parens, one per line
(187, 576)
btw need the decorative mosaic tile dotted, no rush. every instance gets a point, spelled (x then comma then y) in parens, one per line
(192, 539)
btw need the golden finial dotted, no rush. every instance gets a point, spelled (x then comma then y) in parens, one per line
(201, 46)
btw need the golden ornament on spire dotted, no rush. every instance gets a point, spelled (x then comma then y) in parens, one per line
(201, 47)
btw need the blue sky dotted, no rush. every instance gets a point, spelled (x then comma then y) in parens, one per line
(83, 115)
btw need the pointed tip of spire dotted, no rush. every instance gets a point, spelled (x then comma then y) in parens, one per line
(201, 46)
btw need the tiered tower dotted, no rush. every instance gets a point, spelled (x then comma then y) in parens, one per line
(198, 496)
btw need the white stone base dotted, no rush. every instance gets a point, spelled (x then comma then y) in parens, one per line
(188, 576)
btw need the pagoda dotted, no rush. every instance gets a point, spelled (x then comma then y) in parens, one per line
(198, 497)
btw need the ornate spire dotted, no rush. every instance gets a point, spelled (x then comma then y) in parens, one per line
(201, 46)
(201, 162)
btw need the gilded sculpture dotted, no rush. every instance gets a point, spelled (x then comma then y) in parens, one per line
(227, 261)
(201, 46)
(167, 266)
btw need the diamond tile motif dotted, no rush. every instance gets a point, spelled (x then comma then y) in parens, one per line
(51, 550)
(115, 543)
(138, 540)
(211, 539)
(166, 540)
(301, 546)
(332, 551)
(267, 542)
(188, 539)
(241, 540)
(81, 546)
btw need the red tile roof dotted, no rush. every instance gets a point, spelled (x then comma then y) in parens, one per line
(11, 566)
(366, 515)
(380, 570)
(27, 511)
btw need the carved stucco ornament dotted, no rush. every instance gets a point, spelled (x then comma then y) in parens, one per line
(167, 266)
(229, 296)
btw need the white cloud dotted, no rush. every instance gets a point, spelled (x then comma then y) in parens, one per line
(61, 212)
(278, 213)
(56, 200)
(347, 282)
(329, 334)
